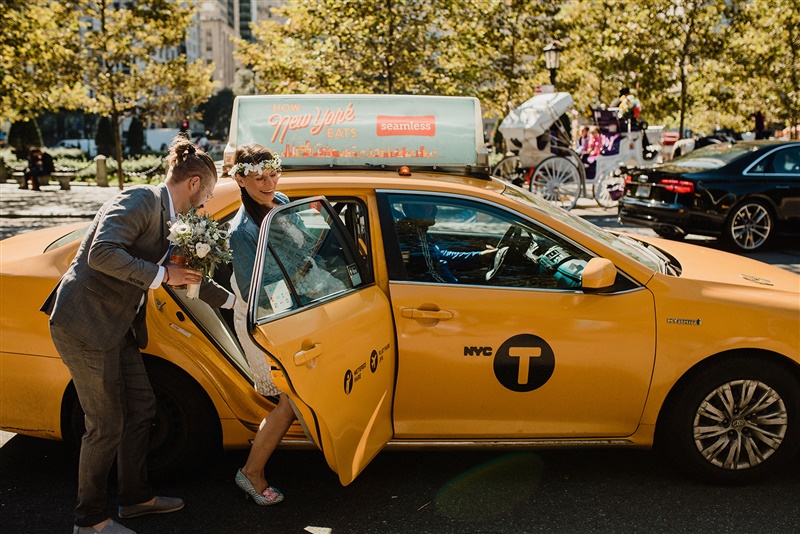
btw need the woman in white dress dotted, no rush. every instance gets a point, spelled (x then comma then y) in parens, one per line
(257, 171)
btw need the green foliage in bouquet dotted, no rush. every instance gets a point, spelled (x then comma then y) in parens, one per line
(202, 240)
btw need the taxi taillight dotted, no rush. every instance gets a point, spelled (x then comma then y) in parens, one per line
(677, 186)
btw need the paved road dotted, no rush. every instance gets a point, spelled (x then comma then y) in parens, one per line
(571, 492)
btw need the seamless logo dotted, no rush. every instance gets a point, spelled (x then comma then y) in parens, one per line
(424, 125)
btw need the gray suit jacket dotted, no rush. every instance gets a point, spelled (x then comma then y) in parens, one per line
(98, 297)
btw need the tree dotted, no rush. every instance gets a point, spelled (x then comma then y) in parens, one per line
(216, 113)
(244, 82)
(120, 64)
(666, 50)
(104, 136)
(23, 135)
(765, 62)
(499, 46)
(39, 47)
(135, 137)
(604, 49)
(346, 46)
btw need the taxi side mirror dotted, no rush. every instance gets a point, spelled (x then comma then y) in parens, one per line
(599, 273)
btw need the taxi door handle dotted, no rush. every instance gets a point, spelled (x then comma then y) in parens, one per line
(414, 313)
(305, 356)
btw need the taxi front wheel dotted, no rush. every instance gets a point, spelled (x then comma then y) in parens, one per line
(186, 428)
(733, 422)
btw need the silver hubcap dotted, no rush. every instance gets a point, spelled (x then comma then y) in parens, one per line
(751, 226)
(740, 424)
(556, 181)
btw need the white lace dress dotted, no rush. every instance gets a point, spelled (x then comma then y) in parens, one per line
(259, 364)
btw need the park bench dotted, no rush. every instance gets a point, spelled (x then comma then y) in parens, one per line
(64, 178)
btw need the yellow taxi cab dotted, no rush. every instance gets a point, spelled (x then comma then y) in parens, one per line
(421, 302)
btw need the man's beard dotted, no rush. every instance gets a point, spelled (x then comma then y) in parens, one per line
(197, 199)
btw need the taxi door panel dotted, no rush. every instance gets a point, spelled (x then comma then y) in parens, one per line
(517, 363)
(515, 348)
(326, 354)
(328, 328)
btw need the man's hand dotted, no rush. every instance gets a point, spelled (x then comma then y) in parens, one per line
(178, 275)
(489, 250)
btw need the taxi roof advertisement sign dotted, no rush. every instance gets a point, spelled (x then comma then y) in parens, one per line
(351, 130)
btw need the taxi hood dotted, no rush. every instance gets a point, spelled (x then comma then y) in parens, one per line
(704, 264)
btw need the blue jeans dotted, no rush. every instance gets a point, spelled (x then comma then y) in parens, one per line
(119, 403)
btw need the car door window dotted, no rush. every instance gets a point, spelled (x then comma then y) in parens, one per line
(307, 261)
(452, 240)
(786, 161)
(353, 214)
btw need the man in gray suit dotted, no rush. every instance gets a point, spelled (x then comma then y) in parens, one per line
(97, 322)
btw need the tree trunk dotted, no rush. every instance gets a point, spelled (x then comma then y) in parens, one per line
(118, 149)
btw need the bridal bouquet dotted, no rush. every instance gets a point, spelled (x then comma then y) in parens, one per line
(202, 241)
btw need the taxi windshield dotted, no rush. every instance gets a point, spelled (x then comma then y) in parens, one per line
(624, 246)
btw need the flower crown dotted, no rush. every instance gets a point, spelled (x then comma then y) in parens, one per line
(246, 168)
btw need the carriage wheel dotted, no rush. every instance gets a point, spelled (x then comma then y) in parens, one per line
(557, 180)
(608, 189)
(510, 170)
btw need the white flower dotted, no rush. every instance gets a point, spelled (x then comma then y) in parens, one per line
(202, 249)
(178, 230)
(246, 168)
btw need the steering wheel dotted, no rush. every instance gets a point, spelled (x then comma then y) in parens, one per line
(507, 243)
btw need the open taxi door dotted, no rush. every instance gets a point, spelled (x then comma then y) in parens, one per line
(315, 311)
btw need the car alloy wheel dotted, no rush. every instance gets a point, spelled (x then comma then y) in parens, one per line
(740, 424)
(749, 226)
(733, 421)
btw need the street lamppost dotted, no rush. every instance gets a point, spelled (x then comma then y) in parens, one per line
(552, 53)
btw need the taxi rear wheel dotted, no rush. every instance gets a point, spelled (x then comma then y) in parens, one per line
(186, 428)
(733, 422)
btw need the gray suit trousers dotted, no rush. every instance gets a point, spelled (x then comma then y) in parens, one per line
(119, 403)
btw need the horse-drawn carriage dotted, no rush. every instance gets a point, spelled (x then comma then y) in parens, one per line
(541, 156)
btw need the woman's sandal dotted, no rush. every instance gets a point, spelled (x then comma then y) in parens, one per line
(269, 496)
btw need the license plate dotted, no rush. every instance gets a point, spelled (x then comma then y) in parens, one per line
(643, 191)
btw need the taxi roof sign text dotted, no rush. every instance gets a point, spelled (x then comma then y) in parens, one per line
(361, 130)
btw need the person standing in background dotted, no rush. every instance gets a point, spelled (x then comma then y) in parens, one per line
(758, 117)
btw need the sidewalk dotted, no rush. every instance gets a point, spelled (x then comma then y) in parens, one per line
(24, 210)
(82, 200)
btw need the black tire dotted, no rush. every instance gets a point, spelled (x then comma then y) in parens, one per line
(186, 429)
(749, 226)
(733, 422)
(668, 233)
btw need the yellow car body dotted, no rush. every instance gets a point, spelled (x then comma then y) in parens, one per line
(642, 341)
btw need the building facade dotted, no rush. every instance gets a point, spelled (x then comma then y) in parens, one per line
(219, 23)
